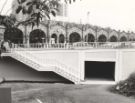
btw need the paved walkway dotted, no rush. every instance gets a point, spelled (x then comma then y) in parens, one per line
(97, 94)
(65, 93)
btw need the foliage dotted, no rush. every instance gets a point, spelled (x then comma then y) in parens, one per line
(7, 21)
(70, 1)
(38, 9)
(125, 87)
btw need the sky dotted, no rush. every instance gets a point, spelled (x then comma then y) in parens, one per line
(116, 14)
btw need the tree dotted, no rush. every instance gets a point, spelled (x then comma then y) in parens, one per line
(38, 9)
(7, 21)
(69, 1)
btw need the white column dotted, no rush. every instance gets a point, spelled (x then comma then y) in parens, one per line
(118, 68)
(82, 64)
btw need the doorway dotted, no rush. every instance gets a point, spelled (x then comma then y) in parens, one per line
(100, 70)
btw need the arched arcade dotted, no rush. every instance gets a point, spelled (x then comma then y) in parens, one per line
(13, 35)
(37, 36)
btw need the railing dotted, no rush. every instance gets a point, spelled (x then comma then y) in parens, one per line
(61, 68)
(25, 60)
(40, 63)
(78, 45)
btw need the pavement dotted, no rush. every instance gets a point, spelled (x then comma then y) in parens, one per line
(64, 93)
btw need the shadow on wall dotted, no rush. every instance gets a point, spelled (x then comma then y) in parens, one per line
(13, 70)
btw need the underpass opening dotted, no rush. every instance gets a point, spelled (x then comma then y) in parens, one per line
(100, 70)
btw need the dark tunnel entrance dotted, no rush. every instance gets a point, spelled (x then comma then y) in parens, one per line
(99, 70)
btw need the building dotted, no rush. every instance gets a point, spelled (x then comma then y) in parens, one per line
(64, 32)
(105, 48)
(80, 53)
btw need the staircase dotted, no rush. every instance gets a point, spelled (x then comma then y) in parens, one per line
(46, 64)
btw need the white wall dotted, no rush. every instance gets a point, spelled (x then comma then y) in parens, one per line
(69, 58)
(13, 70)
(76, 58)
(124, 58)
(128, 63)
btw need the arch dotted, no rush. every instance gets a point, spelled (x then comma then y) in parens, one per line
(37, 36)
(61, 38)
(123, 38)
(113, 39)
(113, 35)
(74, 37)
(89, 38)
(74, 30)
(89, 31)
(57, 29)
(14, 35)
(55, 37)
(102, 38)
(41, 26)
(102, 32)
(132, 37)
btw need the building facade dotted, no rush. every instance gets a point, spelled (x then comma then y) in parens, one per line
(64, 32)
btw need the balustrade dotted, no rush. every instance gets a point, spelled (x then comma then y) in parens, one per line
(40, 63)
(78, 45)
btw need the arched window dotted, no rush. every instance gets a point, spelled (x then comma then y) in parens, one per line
(37, 36)
(61, 38)
(55, 37)
(14, 35)
(113, 39)
(74, 37)
(132, 39)
(102, 38)
(89, 38)
(123, 38)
